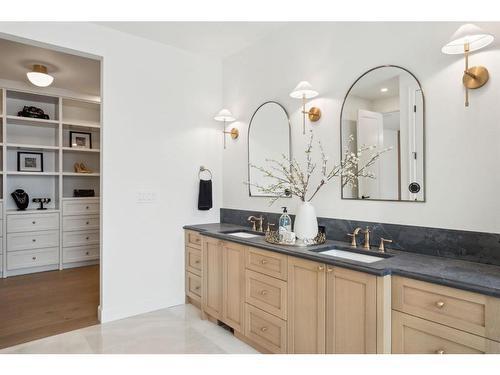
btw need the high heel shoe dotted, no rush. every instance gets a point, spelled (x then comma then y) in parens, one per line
(81, 168)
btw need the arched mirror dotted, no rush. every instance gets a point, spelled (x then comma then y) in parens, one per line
(269, 138)
(384, 108)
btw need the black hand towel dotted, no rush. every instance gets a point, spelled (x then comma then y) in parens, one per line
(205, 195)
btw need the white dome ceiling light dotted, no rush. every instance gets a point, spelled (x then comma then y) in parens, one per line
(39, 76)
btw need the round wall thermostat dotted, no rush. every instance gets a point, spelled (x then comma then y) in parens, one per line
(414, 187)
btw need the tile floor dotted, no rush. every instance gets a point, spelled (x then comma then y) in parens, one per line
(176, 330)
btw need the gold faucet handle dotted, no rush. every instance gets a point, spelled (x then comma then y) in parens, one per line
(353, 240)
(382, 244)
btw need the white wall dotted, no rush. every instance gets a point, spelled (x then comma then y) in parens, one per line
(158, 104)
(462, 153)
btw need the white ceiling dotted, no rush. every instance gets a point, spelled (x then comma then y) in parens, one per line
(70, 72)
(214, 39)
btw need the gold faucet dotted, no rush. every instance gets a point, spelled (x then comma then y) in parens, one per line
(366, 232)
(255, 220)
(381, 248)
(353, 235)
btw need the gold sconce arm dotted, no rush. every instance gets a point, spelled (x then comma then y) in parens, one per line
(474, 77)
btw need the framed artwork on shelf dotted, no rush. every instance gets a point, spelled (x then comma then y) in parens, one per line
(29, 161)
(80, 140)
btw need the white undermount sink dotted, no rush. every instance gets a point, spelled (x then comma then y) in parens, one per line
(243, 234)
(352, 256)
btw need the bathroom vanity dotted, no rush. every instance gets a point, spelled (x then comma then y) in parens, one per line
(283, 299)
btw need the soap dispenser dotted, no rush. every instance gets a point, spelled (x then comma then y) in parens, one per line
(285, 225)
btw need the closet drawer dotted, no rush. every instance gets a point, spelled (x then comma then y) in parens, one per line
(81, 207)
(71, 223)
(193, 239)
(80, 253)
(265, 329)
(266, 262)
(32, 240)
(193, 286)
(81, 238)
(1, 227)
(32, 222)
(32, 258)
(266, 293)
(1, 208)
(193, 260)
(412, 335)
(467, 311)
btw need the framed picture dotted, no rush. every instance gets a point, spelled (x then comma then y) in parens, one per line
(29, 161)
(80, 140)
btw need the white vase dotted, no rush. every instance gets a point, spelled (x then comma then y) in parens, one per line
(306, 223)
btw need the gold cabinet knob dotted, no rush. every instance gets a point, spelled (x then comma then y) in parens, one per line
(196, 262)
(439, 304)
(34, 258)
(86, 253)
(34, 222)
(263, 292)
(197, 288)
(263, 329)
(87, 223)
(321, 268)
(329, 269)
(440, 351)
(263, 261)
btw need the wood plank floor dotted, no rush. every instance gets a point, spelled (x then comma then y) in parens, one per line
(47, 303)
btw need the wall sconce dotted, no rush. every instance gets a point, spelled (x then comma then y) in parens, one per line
(466, 39)
(226, 116)
(305, 91)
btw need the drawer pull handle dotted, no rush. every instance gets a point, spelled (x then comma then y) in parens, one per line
(34, 258)
(263, 292)
(263, 329)
(34, 240)
(197, 288)
(196, 262)
(87, 223)
(87, 238)
(197, 240)
(263, 261)
(440, 351)
(329, 269)
(34, 222)
(439, 304)
(321, 268)
(86, 253)
(87, 207)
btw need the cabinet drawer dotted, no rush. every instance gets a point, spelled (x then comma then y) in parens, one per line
(266, 293)
(467, 311)
(193, 239)
(193, 286)
(265, 329)
(32, 240)
(412, 335)
(193, 260)
(81, 238)
(266, 262)
(71, 223)
(80, 253)
(81, 207)
(32, 258)
(32, 222)
(1, 227)
(1, 208)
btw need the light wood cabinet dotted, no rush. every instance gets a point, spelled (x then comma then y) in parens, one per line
(412, 335)
(212, 265)
(306, 306)
(351, 311)
(233, 285)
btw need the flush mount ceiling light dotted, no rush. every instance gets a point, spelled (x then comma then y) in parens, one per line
(384, 89)
(225, 115)
(305, 91)
(466, 39)
(39, 77)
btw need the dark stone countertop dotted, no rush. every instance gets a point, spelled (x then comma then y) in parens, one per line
(471, 276)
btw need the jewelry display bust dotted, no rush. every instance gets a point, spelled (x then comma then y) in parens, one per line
(21, 198)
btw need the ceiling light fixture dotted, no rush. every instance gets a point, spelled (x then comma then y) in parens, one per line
(384, 89)
(469, 38)
(39, 77)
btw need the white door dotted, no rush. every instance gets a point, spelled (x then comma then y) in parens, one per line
(370, 132)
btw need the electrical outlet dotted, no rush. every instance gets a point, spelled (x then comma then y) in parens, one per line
(146, 196)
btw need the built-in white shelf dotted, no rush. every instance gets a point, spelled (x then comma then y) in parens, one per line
(81, 124)
(30, 211)
(75, 149)
(80, 198)
(17, 173)
(31, 147)
(74, 174)
(31, 121)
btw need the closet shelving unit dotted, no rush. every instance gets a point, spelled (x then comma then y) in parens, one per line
(78, 220)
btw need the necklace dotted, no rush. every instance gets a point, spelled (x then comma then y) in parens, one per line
(21, 197)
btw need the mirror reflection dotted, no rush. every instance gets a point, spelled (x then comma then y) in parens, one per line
(385, 108)
(268, 139)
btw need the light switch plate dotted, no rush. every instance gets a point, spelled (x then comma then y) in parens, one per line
(146, 196)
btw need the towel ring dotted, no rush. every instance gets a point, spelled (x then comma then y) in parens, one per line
(203, 169)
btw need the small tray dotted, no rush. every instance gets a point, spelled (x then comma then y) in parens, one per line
(274, 238)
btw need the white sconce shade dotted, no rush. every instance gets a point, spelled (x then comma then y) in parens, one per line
(303, 90)
(224, 115)
(39, 77)
(476, 37)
